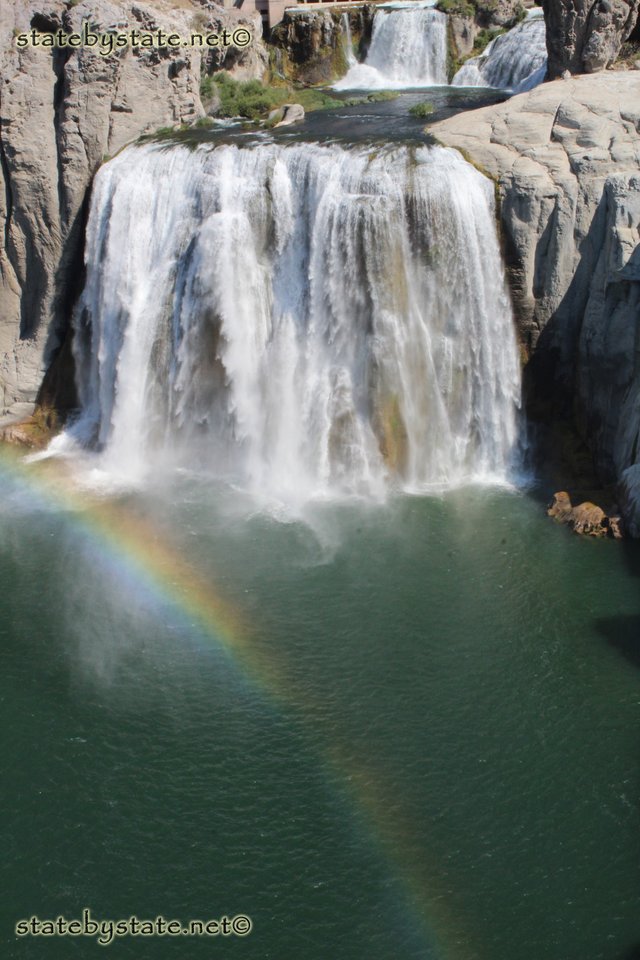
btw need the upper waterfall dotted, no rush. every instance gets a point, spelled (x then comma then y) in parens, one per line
(515, 61)
(306, 319)
(408, 49)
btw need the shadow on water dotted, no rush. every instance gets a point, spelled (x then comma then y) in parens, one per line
(632, 954)
(623, 632)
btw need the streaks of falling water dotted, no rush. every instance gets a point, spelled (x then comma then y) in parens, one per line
(310, 319)
(408, 49)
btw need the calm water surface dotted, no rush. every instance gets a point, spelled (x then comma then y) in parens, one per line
(418, 738)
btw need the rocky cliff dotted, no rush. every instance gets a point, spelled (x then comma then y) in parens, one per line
(61, 112)
(308, 46)
(566, 159)
(473, 20)
(584, 36)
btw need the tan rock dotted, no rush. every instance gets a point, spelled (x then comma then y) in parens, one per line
(587, 519)
(560, 508)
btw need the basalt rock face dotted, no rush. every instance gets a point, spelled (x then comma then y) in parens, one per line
(61, 113)
(566, 159)
(309, 45)
(584, 36)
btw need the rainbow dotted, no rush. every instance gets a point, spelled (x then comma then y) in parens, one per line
(141, 556)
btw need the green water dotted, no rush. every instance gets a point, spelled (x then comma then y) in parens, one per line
(430, 749)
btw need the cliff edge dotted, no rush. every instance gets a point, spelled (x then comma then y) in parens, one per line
(62, 111)
(566, 160)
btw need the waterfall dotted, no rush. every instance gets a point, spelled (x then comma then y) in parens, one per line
(347, 40)
(408, 49)
(306, 319)
(515, 61)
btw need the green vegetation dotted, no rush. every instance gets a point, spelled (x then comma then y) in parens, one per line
(629, 54)
(254, 101)
(422, 110)
(311, 99)
(249, 98)
(163, 132)
(484, 38)
(457, 8)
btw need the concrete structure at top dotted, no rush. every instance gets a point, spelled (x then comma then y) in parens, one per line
(272, 11)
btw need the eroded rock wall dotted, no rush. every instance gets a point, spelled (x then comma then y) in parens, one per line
(308, 46)
(584, 36)
(61, 113)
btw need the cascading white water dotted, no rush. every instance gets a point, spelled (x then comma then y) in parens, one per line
(305, 319)
(347, 40)
(408, 49)
(515, 61)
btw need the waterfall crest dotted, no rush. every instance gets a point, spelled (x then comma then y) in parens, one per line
(515, 61)
(408, 49)
(306, 319)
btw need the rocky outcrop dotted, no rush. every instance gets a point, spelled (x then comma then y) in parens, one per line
(287, 114)
(586, 519)
(566, 159)
(308, 46)
(584, 36)
(62, 111)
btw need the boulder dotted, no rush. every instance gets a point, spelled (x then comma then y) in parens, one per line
(586, 519)
(560, 508)
(291, 113)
